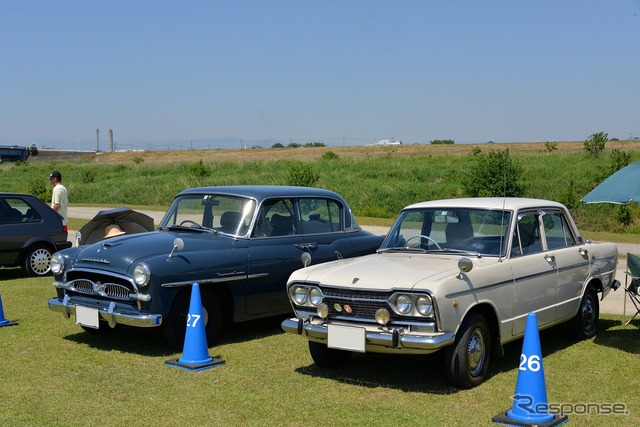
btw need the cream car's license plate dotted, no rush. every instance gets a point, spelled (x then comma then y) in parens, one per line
(87, 316)
(346, 338)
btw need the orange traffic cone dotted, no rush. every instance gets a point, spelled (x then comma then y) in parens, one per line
(530, 406)
(195, 353)
(3, 321)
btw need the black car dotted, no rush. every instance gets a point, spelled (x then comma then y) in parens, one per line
(30, 233)
(240, 243)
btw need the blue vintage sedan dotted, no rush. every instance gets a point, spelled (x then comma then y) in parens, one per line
(240, 243)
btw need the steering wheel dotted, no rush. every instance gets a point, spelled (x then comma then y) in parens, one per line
(421, 236)
(188, 221)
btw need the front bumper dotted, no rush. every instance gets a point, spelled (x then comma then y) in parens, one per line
(108, 314)
(378, 341)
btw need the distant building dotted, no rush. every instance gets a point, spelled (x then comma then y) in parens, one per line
(13, 153)
(388, 142)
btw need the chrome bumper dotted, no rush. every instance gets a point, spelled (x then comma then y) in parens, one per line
(109, 314)
(376, 341)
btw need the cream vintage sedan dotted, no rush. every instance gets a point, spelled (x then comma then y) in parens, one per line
(458, 276)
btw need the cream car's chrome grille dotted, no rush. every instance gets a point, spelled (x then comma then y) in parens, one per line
(362, 305)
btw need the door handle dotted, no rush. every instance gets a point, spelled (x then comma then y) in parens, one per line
(306, 246)
(584, 252)
(550, 257)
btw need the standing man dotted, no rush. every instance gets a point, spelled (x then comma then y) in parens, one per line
(59, 199)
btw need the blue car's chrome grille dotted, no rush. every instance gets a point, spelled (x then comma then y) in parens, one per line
(109, 290)
(100, 285)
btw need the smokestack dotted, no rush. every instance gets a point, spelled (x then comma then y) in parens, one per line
(110, 140)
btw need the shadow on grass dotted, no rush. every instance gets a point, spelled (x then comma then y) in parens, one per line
(252, 330)
(150, 342)
(8, 273)
(614, 334)
(426, 374)
(141, 341)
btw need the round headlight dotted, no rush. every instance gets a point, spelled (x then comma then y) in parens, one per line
(300, 295)
(424, 305)
(323, 310)
(57, 264)
(141, 274)
(315, 296)
(382, 316)
(404, 304)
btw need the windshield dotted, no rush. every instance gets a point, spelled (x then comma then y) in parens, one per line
(222, 213)
(474, 231)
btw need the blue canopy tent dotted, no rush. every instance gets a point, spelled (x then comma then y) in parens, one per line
(621, 187)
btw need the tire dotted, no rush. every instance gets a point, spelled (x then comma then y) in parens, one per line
(175, 325)
(328, 358)
(467, 359)
(37, 260)
(585, 323)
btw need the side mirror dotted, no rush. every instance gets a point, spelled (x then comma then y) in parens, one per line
(178, 245)
(465, 265)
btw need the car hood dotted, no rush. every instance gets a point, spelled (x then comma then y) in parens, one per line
(375, 271)
(119, 253)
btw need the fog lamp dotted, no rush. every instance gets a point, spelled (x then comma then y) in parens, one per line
(323, 310)
(382, 316)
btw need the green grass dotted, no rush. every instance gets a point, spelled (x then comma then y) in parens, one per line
(375, 186)
(55, 374)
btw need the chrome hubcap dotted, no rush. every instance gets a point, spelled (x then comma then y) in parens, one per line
(476, 352)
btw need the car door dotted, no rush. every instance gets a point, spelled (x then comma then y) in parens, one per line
(275, 251)
(534, 272)
(322, 225)
(15, 230)
(571, 260)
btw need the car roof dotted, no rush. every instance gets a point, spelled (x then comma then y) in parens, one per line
(261, 192)
(6, 194)
(507, 203)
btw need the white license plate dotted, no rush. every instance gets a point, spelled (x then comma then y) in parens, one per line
(346, 338)
(86, 316)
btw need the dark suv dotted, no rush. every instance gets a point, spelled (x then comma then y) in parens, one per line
(30, 232)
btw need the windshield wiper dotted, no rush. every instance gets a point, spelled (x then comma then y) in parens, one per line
(403, 249)
(457, 251)
(189, 228)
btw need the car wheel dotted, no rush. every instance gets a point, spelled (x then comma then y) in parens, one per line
(585, 322)
(174, 327)
(467, 359)
(325, 357)
(37, 260)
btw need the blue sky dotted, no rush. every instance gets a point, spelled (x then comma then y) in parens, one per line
(341, 72)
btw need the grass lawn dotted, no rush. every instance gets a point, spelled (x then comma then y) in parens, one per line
(53, 373)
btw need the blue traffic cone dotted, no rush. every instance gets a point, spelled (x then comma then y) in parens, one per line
(3, 321)
(195, 353)
(530, 407)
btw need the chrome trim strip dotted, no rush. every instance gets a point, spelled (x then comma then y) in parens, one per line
(214, 280)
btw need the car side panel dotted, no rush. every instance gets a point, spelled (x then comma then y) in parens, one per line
(573, 269)
(535, 290)
(271, 261)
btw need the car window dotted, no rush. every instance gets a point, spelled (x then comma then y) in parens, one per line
(276, 217)
(469, 230)
(526, 238)
(557, 230)
(17, 210)
(227, 214)
(320, 215)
